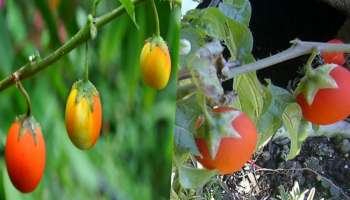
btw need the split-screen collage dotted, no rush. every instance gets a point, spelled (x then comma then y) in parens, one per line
(174, 99)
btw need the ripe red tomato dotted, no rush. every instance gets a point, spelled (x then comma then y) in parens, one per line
(155, 64)
(331, 104)
(335, 57)
(233, 153)
(83, 115)
(25, 155)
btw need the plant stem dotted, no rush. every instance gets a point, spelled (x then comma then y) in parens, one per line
(308, 65)
(86, 67)
(299, 48)
(30, 69)
(94, 7)
(156, 18)
(24, 94)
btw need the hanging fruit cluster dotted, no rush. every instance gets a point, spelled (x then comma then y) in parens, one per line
(323, 95)
(25, 152)
(324, 92)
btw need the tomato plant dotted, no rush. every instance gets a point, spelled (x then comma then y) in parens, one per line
(233, 152)
(83, 115)
(25, 154)
(334, 57)
(155, 63)
(217, 52)
(329, 105)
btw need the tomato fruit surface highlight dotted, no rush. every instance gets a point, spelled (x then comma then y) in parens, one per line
(83, 115)
(25, 154)
(233, 153)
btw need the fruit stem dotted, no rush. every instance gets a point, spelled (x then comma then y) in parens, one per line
(86, 67)
(308, 66)
(24, 94)
(94, 7)
(156, 18)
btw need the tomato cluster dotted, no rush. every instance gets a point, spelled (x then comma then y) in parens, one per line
(329, 104)
(25, 146)
(233, 152)
(323, 95)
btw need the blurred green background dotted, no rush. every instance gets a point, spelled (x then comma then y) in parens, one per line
(132, 158)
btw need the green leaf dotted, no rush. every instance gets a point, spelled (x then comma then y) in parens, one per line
(250, 95)
(215, 24)
(187, 112)
(2, 182)
(239, 10)
(297, 128)
(130, 9)
(275, 102)
(193, 178)
(50, 21)
(110, 42)
(15, 21)
(206, 79)
(7, 54)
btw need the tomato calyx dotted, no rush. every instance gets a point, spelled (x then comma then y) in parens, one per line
(214, 127)
(157, 41)
(28, 123)
(314, 80)
(85, 90)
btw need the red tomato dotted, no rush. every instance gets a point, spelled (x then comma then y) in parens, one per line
(25, 156)
(335, 57)
(329, 105)
(233, 153)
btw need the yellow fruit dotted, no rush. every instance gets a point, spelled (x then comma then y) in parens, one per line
(155, 65)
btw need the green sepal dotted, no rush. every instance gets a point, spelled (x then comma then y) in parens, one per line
(315, 80)
(85, 90)
(214, 129)
(27, 123)
(158, 41)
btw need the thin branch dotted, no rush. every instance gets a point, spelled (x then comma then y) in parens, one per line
(80, 37)
(299, 48)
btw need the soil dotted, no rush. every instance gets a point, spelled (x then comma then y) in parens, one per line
(323, 163)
